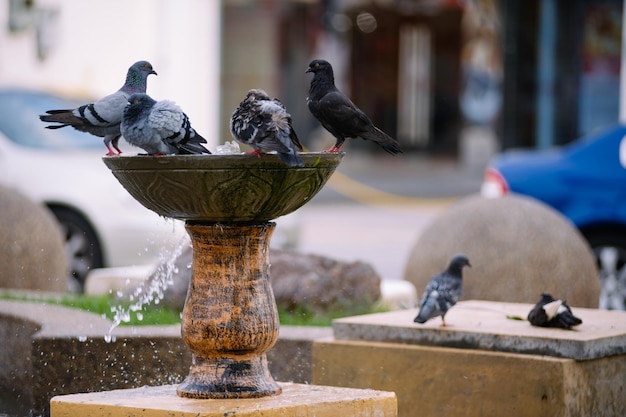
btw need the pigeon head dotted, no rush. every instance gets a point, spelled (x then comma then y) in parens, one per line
(320, 66)
(140, 101)
(257, 94)
(459, 261)
(137, 76)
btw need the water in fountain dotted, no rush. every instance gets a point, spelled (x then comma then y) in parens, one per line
(152, 290)
(228, 148)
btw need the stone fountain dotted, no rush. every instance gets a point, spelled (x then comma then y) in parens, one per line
(230, 319)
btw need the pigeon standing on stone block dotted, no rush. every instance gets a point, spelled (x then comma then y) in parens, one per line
(550, 312)
(340, 116)
(159, 127)
(443, 291)
(264, 124)
(103, 118)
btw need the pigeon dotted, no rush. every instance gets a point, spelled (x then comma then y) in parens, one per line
(443, 291)
(550, 312)
(103, 118)
(340, 116)
(264, 124)
(159, 127)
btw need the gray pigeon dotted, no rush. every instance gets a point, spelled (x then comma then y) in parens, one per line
(103, 118)
(550, 312)
(338, 114)
(159, 127)
(264, 124)
(443, 291)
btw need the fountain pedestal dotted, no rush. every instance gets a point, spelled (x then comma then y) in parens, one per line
(230, 319)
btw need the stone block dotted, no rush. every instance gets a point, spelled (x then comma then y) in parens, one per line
(483, 363)
(296, 400)
(518, 247)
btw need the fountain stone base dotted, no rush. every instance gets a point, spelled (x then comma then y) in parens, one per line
(296, 400)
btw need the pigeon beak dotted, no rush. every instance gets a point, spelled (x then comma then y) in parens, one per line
(308, 70)
(153, 72)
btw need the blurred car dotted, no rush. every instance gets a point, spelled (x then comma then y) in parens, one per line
(62, 169)
(586, 182)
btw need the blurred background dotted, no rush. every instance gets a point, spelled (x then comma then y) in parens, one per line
(455, 81)
(535, 72)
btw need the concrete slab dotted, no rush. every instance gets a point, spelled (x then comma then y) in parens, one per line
(296, 400)
(488, 325)
(442, 381)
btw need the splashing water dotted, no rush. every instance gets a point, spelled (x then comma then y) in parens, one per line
(228, 148)
(151, 291)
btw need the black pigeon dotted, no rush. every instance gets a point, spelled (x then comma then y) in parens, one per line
(159, 127)
(550, 312)
(103, 118)
(340, 116)
(443, 291)
(264, 124)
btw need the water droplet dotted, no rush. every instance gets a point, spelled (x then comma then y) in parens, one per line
(82, 338)
(152, 290)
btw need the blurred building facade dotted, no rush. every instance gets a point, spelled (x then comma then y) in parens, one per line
(534, 73)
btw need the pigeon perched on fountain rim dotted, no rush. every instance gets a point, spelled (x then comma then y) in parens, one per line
(550, 312)
(159, 127)
(443, 291)
(264, 124)
(338, 114)
(104, 117)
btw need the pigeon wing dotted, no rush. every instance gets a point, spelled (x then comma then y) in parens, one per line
(174, 127)
(339, 114)
(429, 303)
(249, 124)
(565, 318)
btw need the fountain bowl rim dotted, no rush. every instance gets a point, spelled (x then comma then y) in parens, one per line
(218, 161)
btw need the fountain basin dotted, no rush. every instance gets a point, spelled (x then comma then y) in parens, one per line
(234, 188)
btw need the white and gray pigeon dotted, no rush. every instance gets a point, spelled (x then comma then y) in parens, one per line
(550, 312)
(103, 118)
(264, 124)
(443, 291)
(159, 127)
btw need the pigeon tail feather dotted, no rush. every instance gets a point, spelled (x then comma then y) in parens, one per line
(389, 144)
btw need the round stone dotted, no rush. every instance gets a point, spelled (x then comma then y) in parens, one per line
(518, 248)
(32, 252)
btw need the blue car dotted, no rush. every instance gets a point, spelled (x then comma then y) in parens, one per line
(586, 182)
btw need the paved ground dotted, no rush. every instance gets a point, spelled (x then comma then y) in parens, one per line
(373, 209)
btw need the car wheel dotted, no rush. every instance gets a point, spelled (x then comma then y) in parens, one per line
(610, 251)
(81, 245)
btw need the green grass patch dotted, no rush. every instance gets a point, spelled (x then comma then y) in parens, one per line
(152, 314)
(105, 306)
(304, 317)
